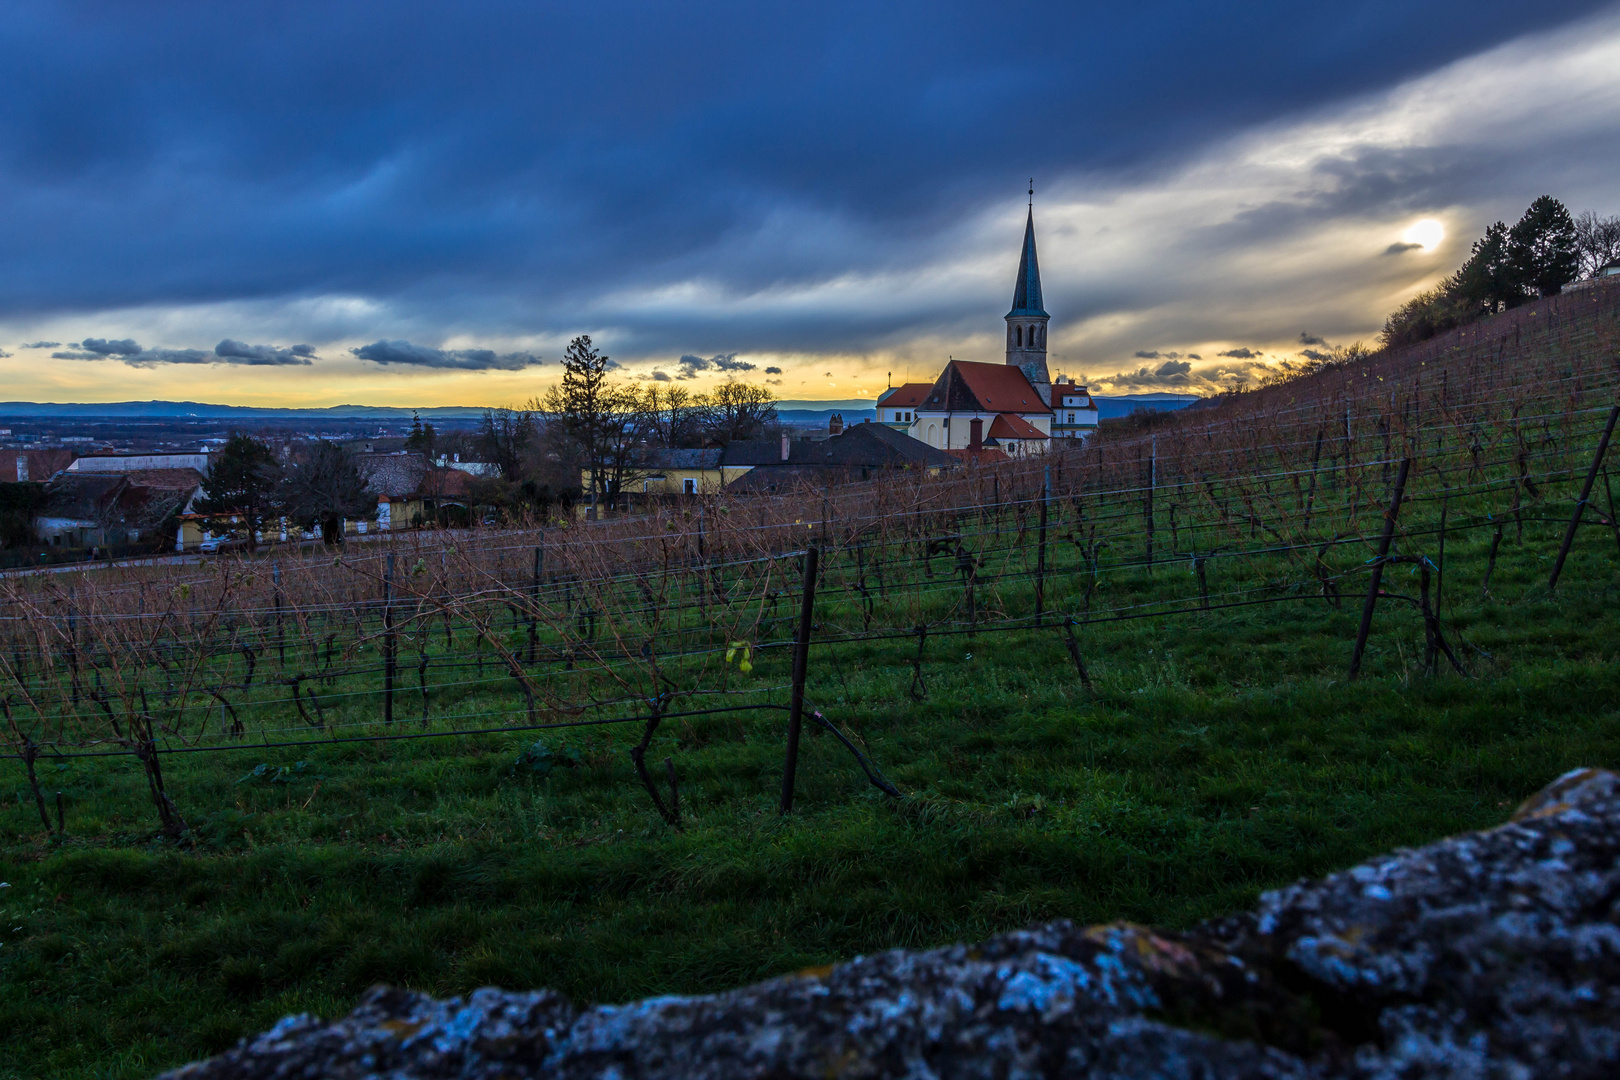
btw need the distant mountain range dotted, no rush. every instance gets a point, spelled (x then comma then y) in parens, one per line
(794, 411)
(196, 410)
(858, 409)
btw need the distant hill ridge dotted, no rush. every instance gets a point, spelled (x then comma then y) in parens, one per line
(1557, 348)
(195, 410)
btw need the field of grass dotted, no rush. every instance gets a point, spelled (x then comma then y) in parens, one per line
(1221, 754)
(1221, 751)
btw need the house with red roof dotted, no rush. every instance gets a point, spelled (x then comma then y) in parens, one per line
(897, 406)
(1074, 414)
(974, 405)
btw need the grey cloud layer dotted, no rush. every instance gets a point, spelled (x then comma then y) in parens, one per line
(691, 365)
(407, 354)
(226, 352)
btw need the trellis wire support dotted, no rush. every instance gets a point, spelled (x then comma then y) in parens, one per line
(1378, 567)
(801, 660)
(388, 641)
(1040, 555)
(534, 597)
(1580, 504)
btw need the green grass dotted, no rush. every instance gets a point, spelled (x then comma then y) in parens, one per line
(1224, 753)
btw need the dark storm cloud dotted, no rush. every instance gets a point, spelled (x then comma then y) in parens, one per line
(409, 355)
(103, 347)
(40, 345)
(1398, 247)
(228, 351)
(432, 186)
(691, 365)
(1308, 338)
(1241, 354)
(773, 371)
(1171, 373)
(263, 355)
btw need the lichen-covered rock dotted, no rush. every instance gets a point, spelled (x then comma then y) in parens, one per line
(1494, 954)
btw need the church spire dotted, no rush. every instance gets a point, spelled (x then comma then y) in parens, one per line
(1026, 322)
(1027, 290)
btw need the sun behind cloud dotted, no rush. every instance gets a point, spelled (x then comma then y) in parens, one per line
(1427, 233)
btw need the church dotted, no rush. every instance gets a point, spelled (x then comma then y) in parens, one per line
(1013, 407)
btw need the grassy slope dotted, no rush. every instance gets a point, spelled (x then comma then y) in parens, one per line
(1224, 753)
(1221, 756)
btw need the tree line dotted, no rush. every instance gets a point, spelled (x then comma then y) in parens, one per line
(587, 437)
(1539, 255)
(592, 434)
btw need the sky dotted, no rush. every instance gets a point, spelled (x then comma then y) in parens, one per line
(421, 204)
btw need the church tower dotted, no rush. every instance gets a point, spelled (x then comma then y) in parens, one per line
(1026, 322)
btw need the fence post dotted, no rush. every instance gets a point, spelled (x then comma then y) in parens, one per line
(281, 633)
(1586, 493)
(388, 641)
(534, 598)
(801, 658)
(1152, 482)
(73, 638)
(1378, 567)
(1040, 550)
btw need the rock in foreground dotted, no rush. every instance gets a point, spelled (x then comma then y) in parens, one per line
(1494, 954)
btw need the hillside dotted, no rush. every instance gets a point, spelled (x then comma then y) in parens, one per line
(435, 764)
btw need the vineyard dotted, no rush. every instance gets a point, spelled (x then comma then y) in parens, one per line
(1435, 526)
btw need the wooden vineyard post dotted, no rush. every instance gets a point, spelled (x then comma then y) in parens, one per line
(1586, 493)
(1310, 497)
(281, 634)
(1378, 567)
(388, 641)
(1152, 482)
(534, 599)
(995, 499)
(1040, 553)
(801, 659)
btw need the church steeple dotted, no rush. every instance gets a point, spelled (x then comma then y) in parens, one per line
(1027, 289)
(1026, 322)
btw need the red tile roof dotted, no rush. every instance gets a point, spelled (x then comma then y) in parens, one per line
(967, 386)
(167, 479)
(907, 396)
(1072, 390)
(1013, 426)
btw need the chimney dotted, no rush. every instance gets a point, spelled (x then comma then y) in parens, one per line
(784, 446)
(835, 426)
(22, 468)
(976, 434)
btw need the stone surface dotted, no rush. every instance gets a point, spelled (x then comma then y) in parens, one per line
(1493, 954)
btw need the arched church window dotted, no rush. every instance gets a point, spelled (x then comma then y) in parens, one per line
(1018, 334)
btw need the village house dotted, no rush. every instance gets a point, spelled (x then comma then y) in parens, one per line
(974, 405)
(683, 472)
(411, 491)
(1074, 414)
(896, 406)
(105, 509)
(857, 452)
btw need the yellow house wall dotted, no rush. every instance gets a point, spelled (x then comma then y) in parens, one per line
(709, 481)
